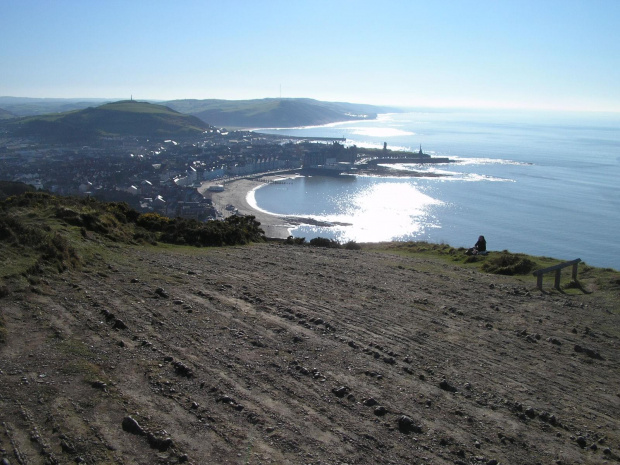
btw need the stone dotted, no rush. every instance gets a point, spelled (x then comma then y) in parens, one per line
(407, 425)
(132, 426)
(380, 411)
(446, 386)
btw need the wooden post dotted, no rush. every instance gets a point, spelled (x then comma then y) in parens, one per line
(539, 281)
(575, 271)
(558, 272)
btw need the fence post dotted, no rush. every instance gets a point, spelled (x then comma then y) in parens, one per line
(575, 271)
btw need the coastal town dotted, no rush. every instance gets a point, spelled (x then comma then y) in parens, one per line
(166, 176)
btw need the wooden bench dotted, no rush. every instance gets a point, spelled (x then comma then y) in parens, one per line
(558, 270)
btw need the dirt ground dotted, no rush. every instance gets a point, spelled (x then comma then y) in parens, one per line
(281, 354)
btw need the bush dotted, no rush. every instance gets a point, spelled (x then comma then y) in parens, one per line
(352, 245)
(295, 240)
(153, 221)
(508, 264)
(324, 242)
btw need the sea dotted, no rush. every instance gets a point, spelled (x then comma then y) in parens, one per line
(541, 183)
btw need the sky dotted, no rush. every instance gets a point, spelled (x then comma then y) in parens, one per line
(532, 54)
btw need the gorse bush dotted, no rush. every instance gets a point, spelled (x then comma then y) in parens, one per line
(116, 221)
(507, 263)
(324, 242)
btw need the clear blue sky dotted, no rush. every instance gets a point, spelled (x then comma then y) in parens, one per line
(558, 54)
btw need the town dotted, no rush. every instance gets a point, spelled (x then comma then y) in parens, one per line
(164, 176)
(148, 175)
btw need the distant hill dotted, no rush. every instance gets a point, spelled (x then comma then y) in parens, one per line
(4, 114)
(25, 106)
(124, 118)
(275, 112)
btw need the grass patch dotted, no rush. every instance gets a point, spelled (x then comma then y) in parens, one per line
(81, 367)
(74, 347)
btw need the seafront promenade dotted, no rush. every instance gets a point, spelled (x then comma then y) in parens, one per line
(235, 193)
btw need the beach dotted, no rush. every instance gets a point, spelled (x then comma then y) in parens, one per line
(235, 193)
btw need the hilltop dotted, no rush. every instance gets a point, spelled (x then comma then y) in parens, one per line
(274, 112)
(117, 346)
(124, 118)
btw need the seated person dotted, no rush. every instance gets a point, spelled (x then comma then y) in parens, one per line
(479, 248)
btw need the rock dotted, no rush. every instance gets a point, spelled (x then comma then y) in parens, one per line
(183, 370)
(380, 411)
(370, 402)
(160, 292)
(492, 462)
(119, 324)
(161, 444)
(406, 425)
(582, 441)
(132, 426)
(530, 412)
(589, 352)
(98, 384)
(446, 386)
(341, 391)
(67, 447)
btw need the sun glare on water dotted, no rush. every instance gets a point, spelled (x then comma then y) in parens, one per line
(384, 212)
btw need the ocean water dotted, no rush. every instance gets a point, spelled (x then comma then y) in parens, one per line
(541, 183)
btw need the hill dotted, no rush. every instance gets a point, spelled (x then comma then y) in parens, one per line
(124, 118)
(273, 112)
(24, 106)
(4, 114)
(281, 353)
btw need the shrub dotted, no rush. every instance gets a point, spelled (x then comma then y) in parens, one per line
(508, 264)
(153, 221)
(295, 240)
(352, 245)
(324, 242)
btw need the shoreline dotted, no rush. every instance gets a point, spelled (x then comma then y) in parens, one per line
(236, 192)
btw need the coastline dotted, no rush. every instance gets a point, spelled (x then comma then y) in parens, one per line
(235, 193)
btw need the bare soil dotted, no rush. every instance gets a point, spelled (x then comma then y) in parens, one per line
(282, 354)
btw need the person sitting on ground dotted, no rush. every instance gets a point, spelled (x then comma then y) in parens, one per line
(479, 248)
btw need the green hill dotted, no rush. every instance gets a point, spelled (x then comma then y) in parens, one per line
(124, 118)
(274, 112)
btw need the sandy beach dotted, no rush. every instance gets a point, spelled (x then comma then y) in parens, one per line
(235, 193)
